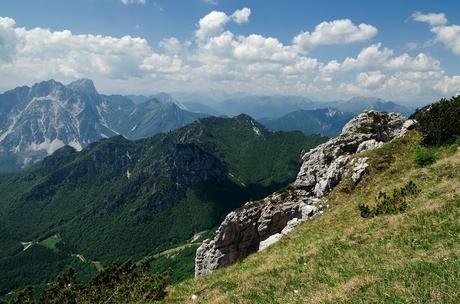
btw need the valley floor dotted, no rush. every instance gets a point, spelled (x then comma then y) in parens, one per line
(340, 257)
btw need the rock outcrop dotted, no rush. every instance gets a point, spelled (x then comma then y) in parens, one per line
(257, 225)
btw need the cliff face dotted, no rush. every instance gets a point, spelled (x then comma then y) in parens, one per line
(257, 225)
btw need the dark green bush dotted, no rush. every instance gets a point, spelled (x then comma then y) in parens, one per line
(424, 156)
(390, 204)
(440, 122)
(119, 283)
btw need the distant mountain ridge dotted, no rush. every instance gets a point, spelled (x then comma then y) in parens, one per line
(276, 106)
(36, 121)
(359, 104)
(328, 122)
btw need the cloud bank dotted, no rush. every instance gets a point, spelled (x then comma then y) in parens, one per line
(217, 58)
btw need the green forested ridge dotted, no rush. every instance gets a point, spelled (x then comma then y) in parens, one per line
(120, 199)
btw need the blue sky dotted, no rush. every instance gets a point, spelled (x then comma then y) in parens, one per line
(420, 54)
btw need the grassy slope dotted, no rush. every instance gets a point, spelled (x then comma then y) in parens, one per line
(339, 257)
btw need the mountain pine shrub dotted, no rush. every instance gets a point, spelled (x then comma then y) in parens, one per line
(390, 203)
(125, 282)
(424, 156)
(440, 122)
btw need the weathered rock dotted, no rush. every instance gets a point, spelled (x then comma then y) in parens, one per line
(290, 226)
(257, 225)
(308, 211)
(359, 168)
(243, 229)
(369, 145)
(270, 241)
(323, 166)
(408, 124)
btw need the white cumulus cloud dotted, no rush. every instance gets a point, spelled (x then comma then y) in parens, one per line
(126, 2)
(241, 15)
(432, 19)
(218, 58)
(341, 31)
(213, 23)
(8, 39)
(449, 35)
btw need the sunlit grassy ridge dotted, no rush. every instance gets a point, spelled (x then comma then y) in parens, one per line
(340, 257)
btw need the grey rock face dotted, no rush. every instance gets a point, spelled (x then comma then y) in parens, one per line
(272, 239)
(408, 124)
(37, 121)
(359, 168)
(368, 145)
(257, 225)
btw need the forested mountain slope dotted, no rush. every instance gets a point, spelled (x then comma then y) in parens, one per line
(120, 199)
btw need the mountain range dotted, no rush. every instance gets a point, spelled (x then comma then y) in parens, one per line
(36, 121)
(276, 106)
(327, 122)
(119, 199)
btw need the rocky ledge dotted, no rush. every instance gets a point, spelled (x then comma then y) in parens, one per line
(257, 225)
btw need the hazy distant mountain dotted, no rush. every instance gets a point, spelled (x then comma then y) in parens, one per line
(138, 98)
(276, 106)
(200, 108)
(328, 122)
(145, 119)
(209, 97)
(35, 121)
(263, 106)
(359, 104)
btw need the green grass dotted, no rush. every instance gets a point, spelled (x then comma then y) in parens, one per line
(51, 242)
(340, 257)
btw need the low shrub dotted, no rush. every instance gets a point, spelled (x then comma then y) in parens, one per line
(424, 156)
(119, 283)
(390, 203)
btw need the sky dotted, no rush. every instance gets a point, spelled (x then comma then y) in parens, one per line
(406, 51)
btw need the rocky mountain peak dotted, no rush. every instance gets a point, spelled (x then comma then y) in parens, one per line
(379, 124)
(259, 224)
(84, 86)
(45, 88)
